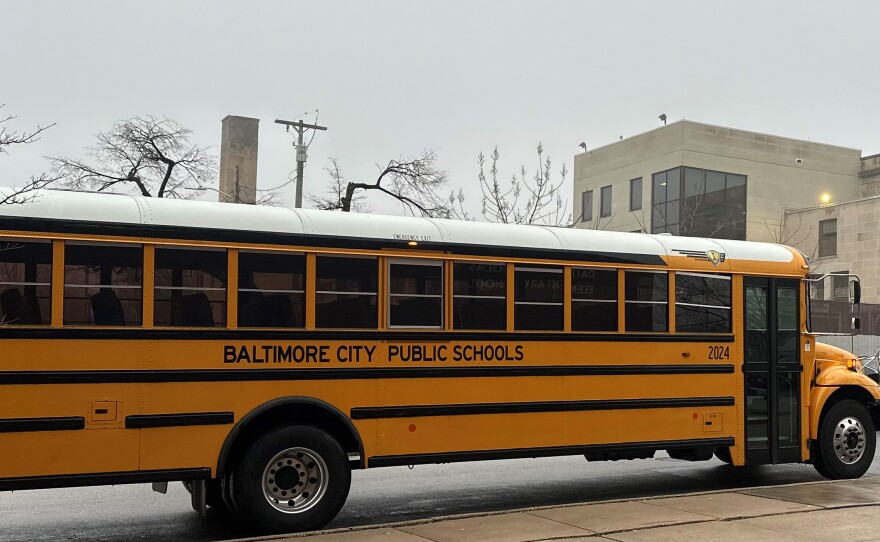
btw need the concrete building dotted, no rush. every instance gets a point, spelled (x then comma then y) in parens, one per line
(238, 159)
(690, 178)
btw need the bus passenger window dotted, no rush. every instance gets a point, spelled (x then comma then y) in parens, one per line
(593, 299)
(190, 288)
(271, 289)
(479, 295)
(346, 292)
(415, 291)
(647, 308)
(25, 283)
(702, 303)
(538, 293)
(103, 285)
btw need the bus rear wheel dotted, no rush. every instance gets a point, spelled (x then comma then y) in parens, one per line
(846, 443)
(292, 479)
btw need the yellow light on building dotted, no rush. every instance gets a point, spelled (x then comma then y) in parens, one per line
(825, 198)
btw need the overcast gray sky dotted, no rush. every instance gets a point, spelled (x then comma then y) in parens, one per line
(391, 78)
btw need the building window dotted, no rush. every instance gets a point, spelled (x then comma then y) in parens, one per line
(415, 292)
(702, 303)
(25, 283)
(271, 289)
(828, 237)
(587, 206)
(647, 295)
(635, 194)
(593, 299)
(538, 293)
(346, 292)
(190, 288)
(605, 201)
(479, 295)
(699, 202)
(840, 286)
(103, 285)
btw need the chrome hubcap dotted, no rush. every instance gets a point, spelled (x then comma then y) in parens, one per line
(295, 480)
(849, 440)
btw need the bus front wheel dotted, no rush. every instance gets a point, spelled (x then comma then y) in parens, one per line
(292, 479)
(846, 442)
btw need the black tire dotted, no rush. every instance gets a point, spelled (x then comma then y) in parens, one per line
(847, 441)
(291, 479)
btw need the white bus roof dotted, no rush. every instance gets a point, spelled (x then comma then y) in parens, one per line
(69, 206)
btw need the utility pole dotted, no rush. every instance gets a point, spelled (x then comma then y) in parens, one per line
(300, 128)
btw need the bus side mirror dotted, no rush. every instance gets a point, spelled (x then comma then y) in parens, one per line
(857, 292)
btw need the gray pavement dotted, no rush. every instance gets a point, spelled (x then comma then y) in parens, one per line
(842, 511)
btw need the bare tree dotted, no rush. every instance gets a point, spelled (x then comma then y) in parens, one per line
(416, 182)
(152, 155)
(526, 200)
(9, 138)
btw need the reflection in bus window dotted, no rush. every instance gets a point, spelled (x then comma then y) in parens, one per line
(702, 303)
(415, 293)
(271, 289)
(479, 295)
(25, 283)
(190, 288)
(103, 285)
(538, 293)
(593, 299)
(646, 301)
(346, 292)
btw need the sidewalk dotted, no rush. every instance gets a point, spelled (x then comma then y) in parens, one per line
(842, 511)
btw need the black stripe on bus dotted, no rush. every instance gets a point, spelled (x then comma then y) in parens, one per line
(143, 421)
(104, 478)
(61, 423)
(294, 335)
(50, 226)
(515, 453)
(268, 375)
(414, 411)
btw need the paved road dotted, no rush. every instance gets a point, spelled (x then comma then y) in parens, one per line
(135, 513)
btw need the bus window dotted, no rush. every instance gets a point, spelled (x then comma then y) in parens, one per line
(702, 303)
(593, 299)
(647, 293)
(415, 291)
(25, 283)
(190, 288)
(479, 295)
(103, 285)
(271, 289)
(538, 293)
(346, 292)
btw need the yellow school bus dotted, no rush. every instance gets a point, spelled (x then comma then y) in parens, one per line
(260, 354)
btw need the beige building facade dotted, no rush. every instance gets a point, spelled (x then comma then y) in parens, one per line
(690, 178)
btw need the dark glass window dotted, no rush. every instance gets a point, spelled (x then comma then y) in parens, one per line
(190, 288)
(702, 303)
(25, 283)
(346, 292)
(828, 237)
(605, 201)
(635, 194)
(479, 295)
(587, 206)
(271, 289)
(538, 295)
(593, 299)
(698, 202)
(415, 294)
(103, 285)
(647, 294)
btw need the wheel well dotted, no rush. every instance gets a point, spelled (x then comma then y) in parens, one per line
(290, 411)
(855, 393)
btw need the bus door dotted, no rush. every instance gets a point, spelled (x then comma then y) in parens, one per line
(772, 371)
